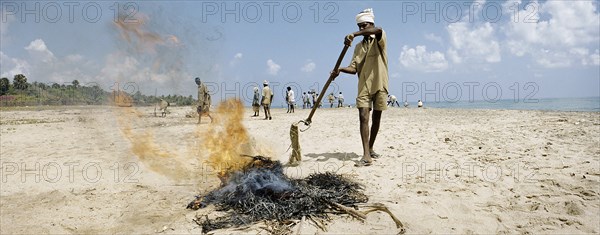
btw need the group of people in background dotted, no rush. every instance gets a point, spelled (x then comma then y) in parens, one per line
(290, 98)
(264, 98)
(306, 99)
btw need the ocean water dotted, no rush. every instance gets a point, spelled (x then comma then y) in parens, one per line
(588, 104)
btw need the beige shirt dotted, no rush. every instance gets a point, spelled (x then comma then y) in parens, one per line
(267, 93)
(371, 64)
(203, 96)
(163, 104)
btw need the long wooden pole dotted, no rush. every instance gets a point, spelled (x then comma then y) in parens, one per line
(331, 77)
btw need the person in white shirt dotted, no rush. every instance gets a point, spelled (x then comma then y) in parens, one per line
(291, 100)
(393, 100)
(340, 100)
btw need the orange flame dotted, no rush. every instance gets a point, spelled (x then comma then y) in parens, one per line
(227, 139)
(222, 143)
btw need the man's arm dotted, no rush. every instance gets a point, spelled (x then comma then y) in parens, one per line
(367, 31)
(348, 70)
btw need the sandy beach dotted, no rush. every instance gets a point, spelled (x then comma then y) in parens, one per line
(101, 169)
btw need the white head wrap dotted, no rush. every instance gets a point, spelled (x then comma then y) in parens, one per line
(365, 16)
(255, 89)
(266, 82)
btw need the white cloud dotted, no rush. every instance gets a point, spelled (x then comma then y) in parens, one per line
(473, 39)
(556, 34)
(38, 51)
(13, 66)
(46, 71)
(419, 59)
(272, 67)
(43, 66)
(473, 43)
(46, 67)
(454, 57)
(309, 66)
(238, 56)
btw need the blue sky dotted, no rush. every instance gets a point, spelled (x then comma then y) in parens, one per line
(437, 50)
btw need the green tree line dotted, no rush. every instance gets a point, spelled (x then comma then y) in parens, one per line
(22, 93)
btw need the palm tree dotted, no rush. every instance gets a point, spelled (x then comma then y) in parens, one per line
(20, 82)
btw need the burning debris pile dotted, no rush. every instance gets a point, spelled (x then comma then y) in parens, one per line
(262, 192)
(255, 189)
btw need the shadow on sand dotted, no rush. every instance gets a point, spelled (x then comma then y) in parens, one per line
(323, 157)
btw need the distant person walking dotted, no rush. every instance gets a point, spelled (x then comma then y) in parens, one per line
(420, 104)
(203, 100)
(406, 104)
(267, 99)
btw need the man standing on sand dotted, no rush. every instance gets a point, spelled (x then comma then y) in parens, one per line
(340, 100)
(267, 98)
(291, 99)
(203, 101)
(331, 98)
(370, 62)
